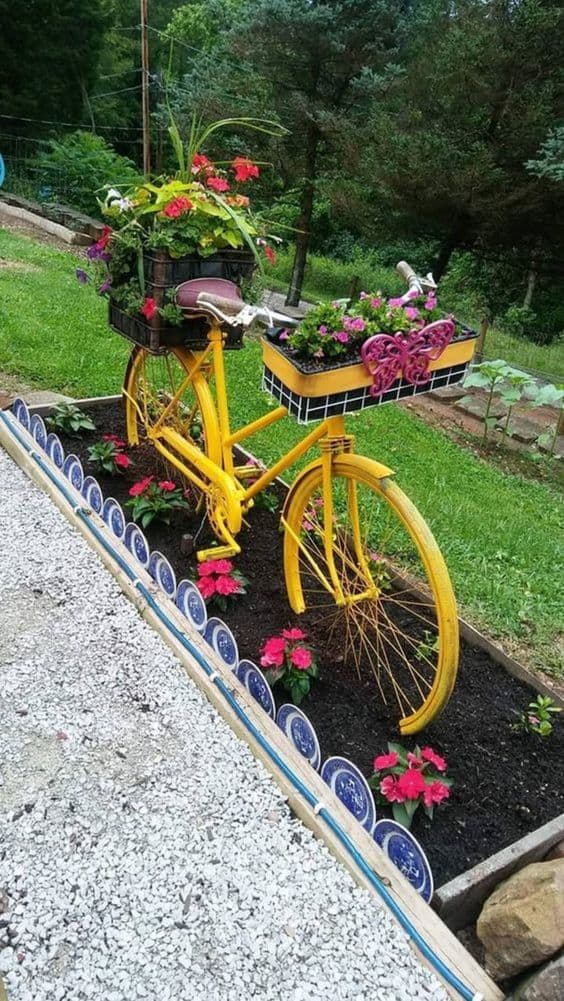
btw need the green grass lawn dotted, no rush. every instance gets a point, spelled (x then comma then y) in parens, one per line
(501, 534)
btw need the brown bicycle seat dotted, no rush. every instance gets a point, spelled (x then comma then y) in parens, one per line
(187, 293)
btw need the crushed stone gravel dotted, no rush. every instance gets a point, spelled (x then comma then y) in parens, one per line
(144, 852)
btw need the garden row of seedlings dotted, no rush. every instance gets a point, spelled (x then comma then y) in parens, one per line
(286, 657)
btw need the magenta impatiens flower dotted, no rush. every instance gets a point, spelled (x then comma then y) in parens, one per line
(410, 779)
(385, 761)
(428, 754)
(288, 659)
(140, 486)
(217, 581)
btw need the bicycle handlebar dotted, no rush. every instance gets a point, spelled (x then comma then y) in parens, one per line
(229, 306)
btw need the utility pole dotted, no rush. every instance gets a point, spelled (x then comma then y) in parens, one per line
(145, 90)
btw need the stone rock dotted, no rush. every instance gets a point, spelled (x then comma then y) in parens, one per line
(475, 406)
(523, 430)
(448, 394)
(558, 450)
(522, 922)
(546, 984)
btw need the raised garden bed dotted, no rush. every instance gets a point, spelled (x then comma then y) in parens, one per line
(505, 785)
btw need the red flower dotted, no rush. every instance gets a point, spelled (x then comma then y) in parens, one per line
(293, 634)
(206, 587)
(105, 237)
(226, 584)
(140, 486)
(435, 792)
(217, 183)
(411, 784)
(428, 754)
(301, 658)
(390, 789)
(167, 485)
(385, 761)
(148, 309)
(113, 437)
(122, 461)
(201, 162)
(270, 254)
(177, 207)
(244, 168)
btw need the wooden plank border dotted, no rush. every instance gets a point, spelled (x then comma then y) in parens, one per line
(428, 924)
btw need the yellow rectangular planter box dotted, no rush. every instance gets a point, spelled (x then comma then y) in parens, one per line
(345, 388)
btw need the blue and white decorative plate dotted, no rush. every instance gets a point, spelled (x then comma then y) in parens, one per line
(92, 493)
(162, 573)
(350, 786)
(298, 729)
(242, 667)
(20, 412)
(407, 855)
(257, 686)
(38, 430)
(137, 544)
(72, 469)
(114, 517)
(55, 450)
(220, 637)
(191, 604)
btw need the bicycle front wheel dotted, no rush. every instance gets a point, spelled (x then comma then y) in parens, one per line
(158, 391)
(376, 580)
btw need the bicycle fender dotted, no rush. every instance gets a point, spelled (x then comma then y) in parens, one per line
(377, 469)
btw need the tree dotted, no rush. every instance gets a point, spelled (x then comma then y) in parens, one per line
(445, 155)
(550, 161)
(49, 55)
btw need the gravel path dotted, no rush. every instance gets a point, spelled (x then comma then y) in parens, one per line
(144, 853)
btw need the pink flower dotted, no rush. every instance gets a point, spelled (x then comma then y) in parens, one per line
(301, 658)
(411, 784)
(284, 336)
(293, 634)
(413, 761)
(319, 353)
(435, 792)
(322, 330)
(533, 720)
(223, 566)
(428, 754)
(390, 789)
(148, 309)
(226, 584)
(244, 168)
(201, 162)
(113, 437)
(217, 184)
(385, 761)
(341, 336)
(394, 303)
(362, 295)
(376, 301)
(274, 644)
(206, 587)
(411, 312)
(122, 461)
(273, 659)
(140, 486)
(167, 485)
(270, 254)
(430, 303)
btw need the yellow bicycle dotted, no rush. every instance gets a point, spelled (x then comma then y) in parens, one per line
(357, 553)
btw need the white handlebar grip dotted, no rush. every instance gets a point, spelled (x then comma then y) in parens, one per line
(406, 271)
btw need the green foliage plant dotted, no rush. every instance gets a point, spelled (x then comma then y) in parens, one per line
(108, 455)
(537, 718)
(78, 166)
(70, 419)
(498, 379)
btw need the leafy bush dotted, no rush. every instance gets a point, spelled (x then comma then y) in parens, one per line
(326, 278)
(79, 165)
(520, 321)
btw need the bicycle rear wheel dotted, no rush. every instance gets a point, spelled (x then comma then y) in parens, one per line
(383, 594)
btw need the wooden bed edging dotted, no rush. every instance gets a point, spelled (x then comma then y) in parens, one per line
(431, 927)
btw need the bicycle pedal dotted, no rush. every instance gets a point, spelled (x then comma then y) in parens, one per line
(217, 553)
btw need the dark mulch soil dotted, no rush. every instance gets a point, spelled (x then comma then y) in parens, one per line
(506, 784)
